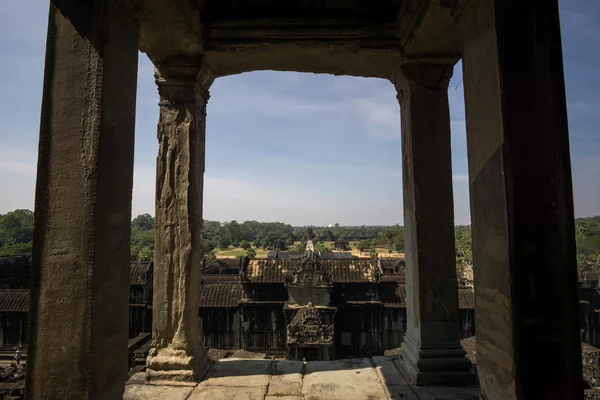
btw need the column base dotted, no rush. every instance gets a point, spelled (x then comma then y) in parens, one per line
(168, 366)
(435, 364)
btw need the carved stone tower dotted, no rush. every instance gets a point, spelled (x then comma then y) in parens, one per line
(310, 330)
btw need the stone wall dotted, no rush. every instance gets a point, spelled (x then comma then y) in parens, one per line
(590, 357)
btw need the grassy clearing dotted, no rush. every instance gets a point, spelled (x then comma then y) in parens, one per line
(238, 251)
(233, 252)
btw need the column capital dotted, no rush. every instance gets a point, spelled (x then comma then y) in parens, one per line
(409, 77)
(183, 81)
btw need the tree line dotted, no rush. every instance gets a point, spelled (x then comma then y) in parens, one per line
(16, 235)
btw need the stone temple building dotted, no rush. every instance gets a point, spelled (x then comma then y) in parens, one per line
(15, 299)
(311, 307)
(520, 182)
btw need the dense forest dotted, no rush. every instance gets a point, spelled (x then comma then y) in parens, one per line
(16, 234)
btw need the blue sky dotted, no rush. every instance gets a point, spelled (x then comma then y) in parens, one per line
(291, 147)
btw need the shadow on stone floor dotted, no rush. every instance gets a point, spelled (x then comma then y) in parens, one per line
(352, 379)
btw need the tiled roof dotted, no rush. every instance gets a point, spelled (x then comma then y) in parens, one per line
(14, 300)
(393, 296)
(17, 259)
(220, 264)
(343, 271)
(138, 272)
(220, 278)
(400, 278)
(388, 263)
(220, 294)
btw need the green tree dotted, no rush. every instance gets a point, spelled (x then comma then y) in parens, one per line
(244, 245)
(389, 235)
(399, 241)
(300, 246)
(363, 244)
(224, 242)
(143, 221)
(321, 247)
(251, 253)
(16, 227)
(19, 248)
(234, 233)
(145, 254)
(581, 229)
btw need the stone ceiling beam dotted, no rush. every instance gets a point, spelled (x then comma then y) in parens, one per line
(429, 28)
(169, 28)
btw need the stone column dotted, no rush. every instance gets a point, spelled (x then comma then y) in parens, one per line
(432, 354)
(78, 329)
(177, 351)
(528, 339)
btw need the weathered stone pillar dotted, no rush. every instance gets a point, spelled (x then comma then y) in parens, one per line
(432, 354)
(528, 343)
(80, 269)
(177, 351)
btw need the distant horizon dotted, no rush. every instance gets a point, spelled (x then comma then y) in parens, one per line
(295, 225)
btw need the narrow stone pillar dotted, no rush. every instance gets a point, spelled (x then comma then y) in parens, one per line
(431, 351)
(177, 351)
(78, 327)
(528, 344)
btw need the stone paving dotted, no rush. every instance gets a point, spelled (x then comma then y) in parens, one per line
(376, 378)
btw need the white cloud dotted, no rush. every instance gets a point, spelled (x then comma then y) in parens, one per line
(370, 101)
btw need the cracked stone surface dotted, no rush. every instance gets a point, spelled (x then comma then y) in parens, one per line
(286, 379)
(376, 378)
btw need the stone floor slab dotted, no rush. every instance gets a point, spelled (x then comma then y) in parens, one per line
(446, 393)
(354, 379)
(402, 393)
(228, 393)
(152, 392)
(283, 398)
(388, 372)
(286, 378)
(239, 372)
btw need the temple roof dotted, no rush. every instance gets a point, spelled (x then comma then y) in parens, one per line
(220, 295)
(220, 278)
(226, 291)
(17, 259)
(296, 255)
(393, 296)
(14, 300)
(342, 271)
(221, 265)
(400, 278)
